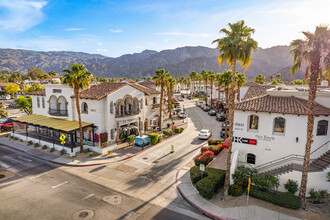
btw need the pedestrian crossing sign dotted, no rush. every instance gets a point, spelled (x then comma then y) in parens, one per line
(62, 138)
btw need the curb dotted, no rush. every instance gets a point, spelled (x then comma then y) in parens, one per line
(93, 164)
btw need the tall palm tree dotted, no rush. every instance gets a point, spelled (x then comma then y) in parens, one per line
(240, 81)
(218, 79)
(211, 78)
(205, 77)
(161, 77)
(314, 49)
(78, 78)
(260, 79)
(236, 45)
(199, 79)
(170, 86)
(193, 75)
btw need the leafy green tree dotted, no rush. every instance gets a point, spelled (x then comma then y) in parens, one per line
(78, 78)
(313, 50)
(36, 73)
(52, 74)
(170, 86)
(35, 87)
(274, 83)
(193, 75)
(236, 45)
(11, 89)
(3, 112)
(260, 79)
(24, 104)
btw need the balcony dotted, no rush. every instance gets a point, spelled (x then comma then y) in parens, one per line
(128, 114)
(58, 112)
(155, 106)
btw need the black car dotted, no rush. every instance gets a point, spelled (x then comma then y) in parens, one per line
(212, 112)
(221, 117)
(206, 108)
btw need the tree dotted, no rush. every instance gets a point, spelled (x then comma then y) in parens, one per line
(3, 112)
(240, 81)
(260, 79)
(52, 74)
(193, 76)
(78, 78)
(36, 73)
(205, 77)
(312, 50)
(35, 87)
(24, 104)
(211, 78)
(274, 83)
(199, 79)
(237, 45)
(170, 86)
(161, 77)
(11, 89)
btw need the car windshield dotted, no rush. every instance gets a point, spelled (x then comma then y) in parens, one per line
(204, 131)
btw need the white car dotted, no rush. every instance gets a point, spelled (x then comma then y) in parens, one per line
(204, 134)
(182, 114)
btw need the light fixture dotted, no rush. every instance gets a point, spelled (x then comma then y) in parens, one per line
(297, 139)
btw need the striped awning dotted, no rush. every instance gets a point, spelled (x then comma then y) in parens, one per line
(54, 123)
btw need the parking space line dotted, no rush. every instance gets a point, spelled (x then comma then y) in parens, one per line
(58, 185)
(38, 176)
(90, 195)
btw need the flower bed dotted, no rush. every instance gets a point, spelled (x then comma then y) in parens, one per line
(205, 158)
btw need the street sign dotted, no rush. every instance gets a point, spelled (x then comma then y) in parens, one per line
(62, 138)
(202, 167)
(63, 142)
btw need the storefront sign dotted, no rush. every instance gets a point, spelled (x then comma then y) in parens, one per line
(57, 90)
(264, 138)
(245, 140)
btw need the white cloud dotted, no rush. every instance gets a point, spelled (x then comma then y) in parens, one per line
(116, 30)
(20, 15)
(138, 47)
(74, 29)
(182, 34)
(101, 50)
(99, 43)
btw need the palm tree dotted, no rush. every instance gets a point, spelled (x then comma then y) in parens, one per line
(52, 74)
(199, 79)
(260, 79)
(237, 45)
(211, 78)
(78, 78)
(170, 85)
(240, 80)
(225, 80)
(314, 49)
(193, 76)
(205, 76)
(161, 77)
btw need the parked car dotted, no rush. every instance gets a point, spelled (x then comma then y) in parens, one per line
(202, 106)
(7, 120)
(207, 108)
(212, 112)
(223, 124)
(220, 117)
(180, 99)
(182, 114)
(204, 134)
(178, 109)
(223, 130)
(176, 104)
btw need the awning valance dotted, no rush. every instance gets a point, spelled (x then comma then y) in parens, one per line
(54, 123)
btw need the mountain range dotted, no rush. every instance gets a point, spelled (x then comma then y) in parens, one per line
(179, 61)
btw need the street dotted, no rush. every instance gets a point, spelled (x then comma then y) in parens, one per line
(142, 187)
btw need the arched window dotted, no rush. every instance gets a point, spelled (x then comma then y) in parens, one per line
(43, 102)
(62, 105)
(135, 106)
(146, 101)
(84, 108)
(111, 107)
(119, 108)
(322, 128)
(128, 105)
(38, 102)
(253, 122)
(279, 125)
(251, 158)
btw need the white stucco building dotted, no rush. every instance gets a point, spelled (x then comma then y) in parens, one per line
(111, 110)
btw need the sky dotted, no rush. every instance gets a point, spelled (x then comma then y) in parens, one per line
(113, 28)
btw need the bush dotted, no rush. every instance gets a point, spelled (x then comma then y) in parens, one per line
(210, 184)
(204, 148)
(52, 149)
(235, 190)
(109, 152)
(291, 186)
(205, 158)
(91, 154)
(88, 150)
(21, 140)
(153, 138)
(167, 132)
(215, 149)
(211, 141)
(240, 176)
(7, 135)
(159, 139)
(131, 139)
(196, 174)
(29, 143)
(282, 199)
(104, 137)
(214, 142)
(36, 145)
(44, 147)
(318, 196)
(265, 181)
(177, 130)
(62, 152)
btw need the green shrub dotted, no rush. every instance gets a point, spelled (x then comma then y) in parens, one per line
(328, 176)
(205, 158)
(62, 151)
(52, 149)
(218, 141)
(210, 184)
(153, 138)
(88, 150)
(91, 154)
(44, 147)
(159, 139)
(109, 152)
(235, 190)
(21, 140)
(196, 174)
(318, 196)
(29, 143)
(265, 181)
(215, 149)
(167, 132)
(177, 130)
(287, 200)
(131, 139)
(210, 141)
(204, 148)
(291, 186)
(36, 145)
(240, 176)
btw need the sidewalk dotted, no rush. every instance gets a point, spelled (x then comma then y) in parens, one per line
(191, 195)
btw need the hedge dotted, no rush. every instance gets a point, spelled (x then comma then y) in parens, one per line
(131, 139)
(286, 199)
(167, 132)
(195, 174)
(177, 130)
(204, 148)
(216, 149)
(205, 158)
(214, 141)
(235, 190)
(210, 184)
(153, 138)
(159, 139)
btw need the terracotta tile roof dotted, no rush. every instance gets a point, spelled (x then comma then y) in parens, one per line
(147, 83)
(41, 92)
(280, 104)
(101, 90)
(254, 91)
(128, 80)
(251, 83)
(145, 89)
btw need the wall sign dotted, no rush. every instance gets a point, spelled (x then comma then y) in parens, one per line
(238, 126)
(264, 138)
(245, 140)
(57, 90)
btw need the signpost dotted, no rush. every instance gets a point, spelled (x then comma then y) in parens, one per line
(62, 138)
(248, 189)
(202, 168)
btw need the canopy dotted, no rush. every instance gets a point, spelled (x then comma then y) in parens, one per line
(54, 123)
(225, 143)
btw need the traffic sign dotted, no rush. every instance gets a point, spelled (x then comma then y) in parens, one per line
(202, 167)
(63, 142)
(62, 138)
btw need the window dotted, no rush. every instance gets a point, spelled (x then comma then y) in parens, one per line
(322, 128)
(112, 134)
(43, 102)
(154, 100)
(111, 107)
(279, 124)
(253, 122)
(146, 101)
(84, 108)
(141, 103)
(251, 158)
(38, 102)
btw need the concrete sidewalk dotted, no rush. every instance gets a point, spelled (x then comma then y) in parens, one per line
(189, 192)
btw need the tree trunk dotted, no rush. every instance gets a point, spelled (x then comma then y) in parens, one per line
(231, 123)
(211, 93)
(200, 91)
(226, 109)
(170, 101)
(315, 69)
(161, 106)
(238, 93)
(205, 91)
(76, 91)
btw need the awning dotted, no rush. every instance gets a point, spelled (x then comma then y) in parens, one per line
(225, 143)
(54, 123)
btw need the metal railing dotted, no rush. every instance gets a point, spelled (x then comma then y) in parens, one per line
(58, 112)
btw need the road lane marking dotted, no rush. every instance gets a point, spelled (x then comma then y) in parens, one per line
(90, 195)
(25, 159)
(37, 176)
(4, 165)
(58, 185)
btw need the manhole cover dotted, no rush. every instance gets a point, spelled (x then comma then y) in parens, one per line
(113, 200)
(83, 214)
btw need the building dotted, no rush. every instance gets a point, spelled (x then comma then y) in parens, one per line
(109, 111)
(270, 134)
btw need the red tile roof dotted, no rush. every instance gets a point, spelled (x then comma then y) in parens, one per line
(101, 90)
(254, 91)
(147, 83)
(41, 92)
(280, 104)
(145, 89)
